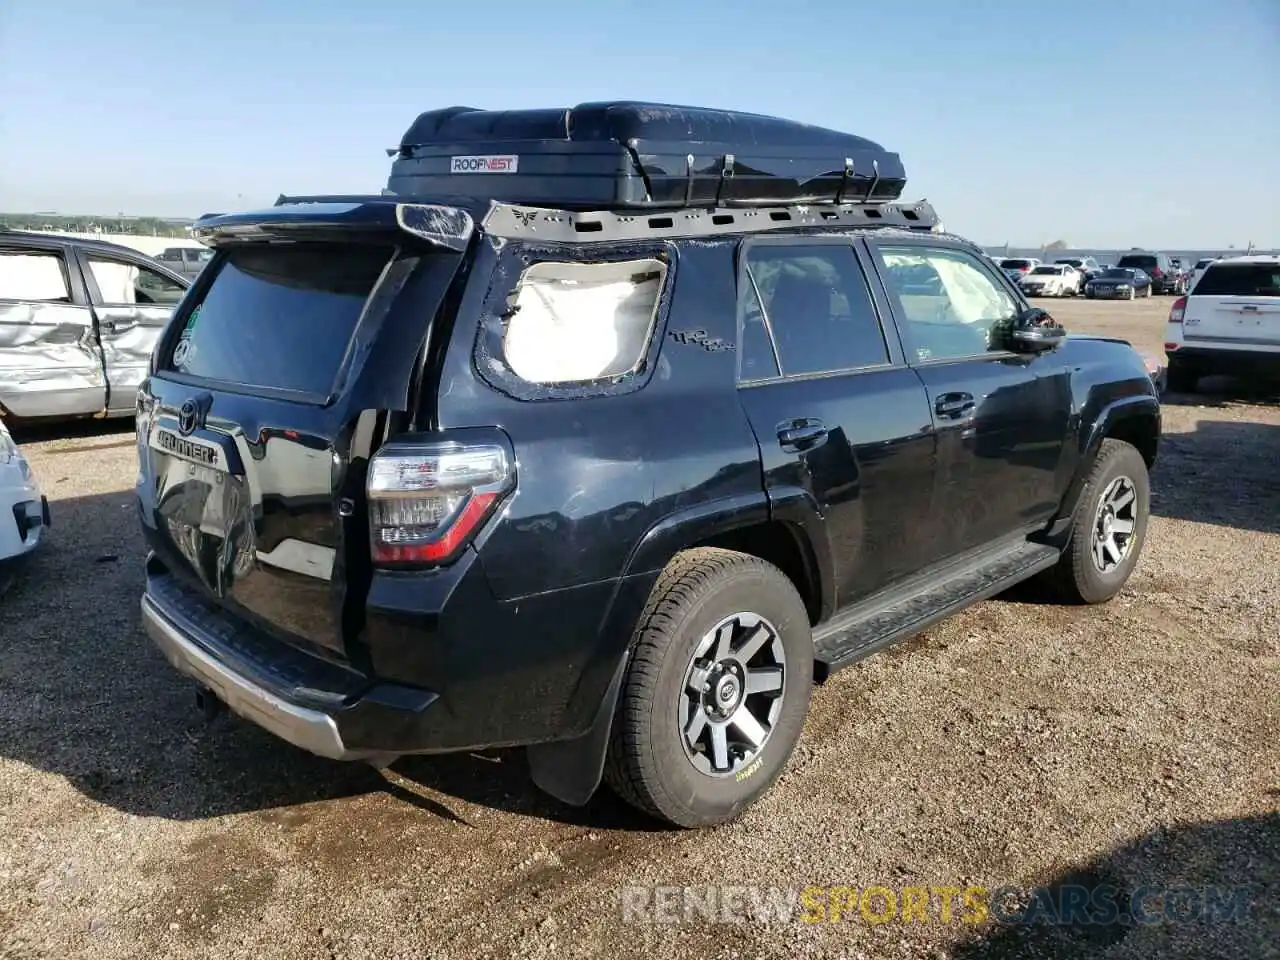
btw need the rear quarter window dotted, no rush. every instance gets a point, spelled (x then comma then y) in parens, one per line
(578, 326)
(1240, 280)
(280, 317)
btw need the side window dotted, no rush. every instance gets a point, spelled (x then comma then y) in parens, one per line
(756, 349)
(582, 322)
(121, 283)
(32, 275)
(952, 307)
(817, 306)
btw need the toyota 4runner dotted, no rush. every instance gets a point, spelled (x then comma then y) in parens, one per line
(608, 432)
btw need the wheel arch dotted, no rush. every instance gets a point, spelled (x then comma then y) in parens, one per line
(1134, 420)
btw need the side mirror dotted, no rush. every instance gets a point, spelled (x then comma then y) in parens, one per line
(1034, 331)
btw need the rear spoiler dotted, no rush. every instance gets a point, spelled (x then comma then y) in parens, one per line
(338, 217)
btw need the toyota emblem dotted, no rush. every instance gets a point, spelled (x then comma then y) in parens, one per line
(188, 417)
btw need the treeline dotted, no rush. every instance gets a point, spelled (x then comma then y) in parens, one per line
(140, 226)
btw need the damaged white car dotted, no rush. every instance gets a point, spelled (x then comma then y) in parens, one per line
(24, 513)
(78, 321)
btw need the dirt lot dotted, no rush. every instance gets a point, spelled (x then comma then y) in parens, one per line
(1019, 743)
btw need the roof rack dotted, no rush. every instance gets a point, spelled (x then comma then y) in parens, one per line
(567, 226)
(508, 220)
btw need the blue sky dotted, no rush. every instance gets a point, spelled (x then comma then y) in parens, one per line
(1104, 124)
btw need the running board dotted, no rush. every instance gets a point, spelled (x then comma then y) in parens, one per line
(908, 609)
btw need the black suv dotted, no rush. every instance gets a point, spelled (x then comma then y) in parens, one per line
(1166, 277)
(617, 478)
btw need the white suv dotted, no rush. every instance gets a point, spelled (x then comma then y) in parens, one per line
(23, 512)
(1228, 324)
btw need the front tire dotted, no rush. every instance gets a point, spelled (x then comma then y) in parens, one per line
(1109, 529)
(716, 691)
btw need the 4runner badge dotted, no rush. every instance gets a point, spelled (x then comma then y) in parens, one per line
(505, 163)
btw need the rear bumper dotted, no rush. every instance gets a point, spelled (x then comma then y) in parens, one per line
(314, 704)
(1211, 361)
(304, 727)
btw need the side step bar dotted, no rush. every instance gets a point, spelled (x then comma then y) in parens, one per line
(889, 616)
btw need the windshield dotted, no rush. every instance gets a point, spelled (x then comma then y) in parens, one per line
(1115, 273)
(1015, 264)
(278, 316)
(1201, 264)
(1071, 263)
(1240, 280)
(1052, 271)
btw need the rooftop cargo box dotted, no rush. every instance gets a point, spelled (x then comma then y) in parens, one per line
(625, 155)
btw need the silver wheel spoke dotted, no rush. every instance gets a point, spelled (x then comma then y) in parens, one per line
(724, 638)
(746, 724)
(1122, 526)
(719, 747)
(764, 680)
(1112, 548)
(1121, 498)
(753, 643)
(697, 681)
(1099, 556)
(697, 723)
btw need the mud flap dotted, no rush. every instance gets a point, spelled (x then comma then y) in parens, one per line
(570, 770)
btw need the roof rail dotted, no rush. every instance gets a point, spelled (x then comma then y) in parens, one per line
(508, 220)
(283, 199)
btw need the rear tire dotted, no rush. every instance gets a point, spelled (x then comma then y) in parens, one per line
(1109, 529)
(708, 607)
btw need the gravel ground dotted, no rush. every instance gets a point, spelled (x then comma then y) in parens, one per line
(1019, 743)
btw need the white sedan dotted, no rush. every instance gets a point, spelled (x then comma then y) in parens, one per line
(24, 513)
(1051, 280)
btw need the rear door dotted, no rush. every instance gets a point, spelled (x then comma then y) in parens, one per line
(840, 419)
(131, 303)
(1236, 304)
(279, 376)
(50, 365)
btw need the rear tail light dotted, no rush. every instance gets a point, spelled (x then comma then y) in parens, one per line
(426, 501)
(1178, 310)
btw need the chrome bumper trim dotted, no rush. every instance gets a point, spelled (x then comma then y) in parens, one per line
(309, 729)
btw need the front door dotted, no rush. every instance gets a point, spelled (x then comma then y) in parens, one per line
(1001, 417)
(842, 422)
(131, 304)
(49, 360)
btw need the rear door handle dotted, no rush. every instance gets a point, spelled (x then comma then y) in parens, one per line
(953, 406)
(806, 433)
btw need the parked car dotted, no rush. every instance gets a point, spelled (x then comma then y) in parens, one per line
(1118, 283)
(78, 320)
(469, 532)
(1051, 280)
(1086, 267)
(1198, 271)
(1018, 267)
(24, 513)
(1164, 276)
(1228, 324)
(188, 261)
